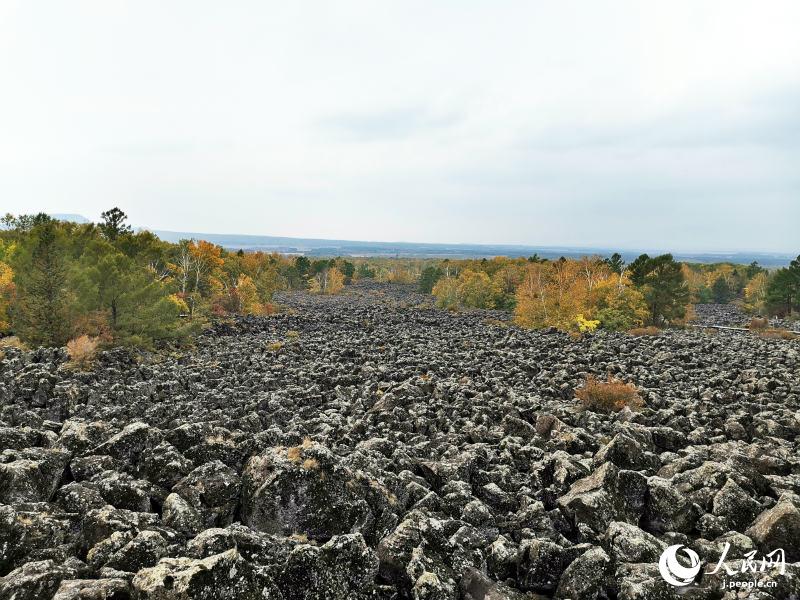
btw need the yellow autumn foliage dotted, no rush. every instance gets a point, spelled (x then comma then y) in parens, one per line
(578, 296)
(6, 295)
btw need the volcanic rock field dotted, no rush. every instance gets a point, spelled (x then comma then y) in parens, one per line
(368, 445)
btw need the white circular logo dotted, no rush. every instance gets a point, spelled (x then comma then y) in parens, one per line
(674, 572)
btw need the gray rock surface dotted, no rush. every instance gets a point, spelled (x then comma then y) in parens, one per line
(386, 449)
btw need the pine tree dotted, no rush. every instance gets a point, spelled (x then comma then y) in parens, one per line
(113, 225)
(428, 278)
(783, 289)
(661, 281)
(721, 291)
(40, 313)
(615, 262)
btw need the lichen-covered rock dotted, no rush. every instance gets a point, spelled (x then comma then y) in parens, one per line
(212, 490)
(474, 585)
(94, 589)
(35, 580)
(36, 532)
(667, 509)
(642, 581)
(342, 568)
(586, 576)
(98, 524)
(629, 449)
(142, 550)
(31, 475)
(608, 494)
(181, 516)
(627, 543)
(225, 576)
(128, 444)
(779, 527)
(303, 490)
(734, 506)
(543, 563)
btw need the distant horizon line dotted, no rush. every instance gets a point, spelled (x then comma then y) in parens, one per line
(784, 253)
(510, 245)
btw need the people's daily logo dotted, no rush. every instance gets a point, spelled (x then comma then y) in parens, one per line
(680, 566)
(673, 571)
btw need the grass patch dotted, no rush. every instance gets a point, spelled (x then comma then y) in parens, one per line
(644, 331)
(776, 334)
(12, 341)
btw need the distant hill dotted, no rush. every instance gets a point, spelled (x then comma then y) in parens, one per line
(72, 218)
(323, 247)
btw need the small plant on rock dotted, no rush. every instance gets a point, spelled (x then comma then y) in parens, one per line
(610, 395)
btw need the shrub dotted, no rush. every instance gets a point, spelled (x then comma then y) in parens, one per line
(274, 346)
(610, 395)
(82, 351)
(293, 334)
(644, 331)
(585, 325)
(757, 323)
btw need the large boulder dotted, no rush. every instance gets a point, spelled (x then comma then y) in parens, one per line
(94, 589)
(607, 495)
(342, 568)
(779, 527)
(627, 543)
(31, 475)
(304, 490)
(212, 489)
(586, 576)
(543, 562)
(181, 516)
(128, 444)
(35, 532)
(666, 509)
(225, 576)
(124, 551)
(36, 580)
(629, 449)
(426, 556)
(735, 506)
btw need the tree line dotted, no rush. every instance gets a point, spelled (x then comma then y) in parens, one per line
(583, 294)
(60, 280)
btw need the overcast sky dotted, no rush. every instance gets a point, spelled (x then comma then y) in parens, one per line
(656, 125)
